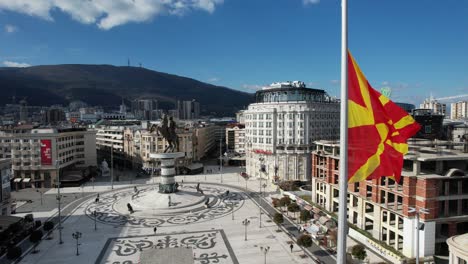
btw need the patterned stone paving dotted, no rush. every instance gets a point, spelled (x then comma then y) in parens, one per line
(208, 246)
(220, 205)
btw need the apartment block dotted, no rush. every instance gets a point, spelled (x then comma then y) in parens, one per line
(434, 178)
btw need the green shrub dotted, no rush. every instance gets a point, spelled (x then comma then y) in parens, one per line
(304, 241)
(305, 215)
(293, 207)
(278, 218)
(359, 252)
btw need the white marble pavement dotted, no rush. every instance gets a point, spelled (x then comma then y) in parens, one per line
(120, 243)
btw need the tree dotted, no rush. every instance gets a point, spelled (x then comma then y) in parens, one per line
(14, 252)
(48, 226)
(293, 208)
(304, 241)
(275, 202)
(333, 236)
(278, 219)
(359, 251)
(305, 215)
(284, 201)
(35, 238)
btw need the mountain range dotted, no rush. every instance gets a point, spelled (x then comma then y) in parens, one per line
(107, 85)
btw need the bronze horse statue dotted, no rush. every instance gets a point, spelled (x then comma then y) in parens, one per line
(168, 133)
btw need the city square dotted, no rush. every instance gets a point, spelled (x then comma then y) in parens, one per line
(214, 234)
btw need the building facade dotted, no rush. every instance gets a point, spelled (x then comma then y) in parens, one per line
(235, 138)
(459, 110)
(5, 195)
(145, 109)
(458, 247)
(434, 105)
(154, 143)
(281, 126)
(204, 140)
(433, 178)
(188, 109)
(37, 154)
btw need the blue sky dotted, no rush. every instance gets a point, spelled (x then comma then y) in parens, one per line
(415, 47)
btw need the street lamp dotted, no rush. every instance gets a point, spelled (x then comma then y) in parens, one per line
(77, 236)
(232, 209)
(112, 166)
(221, 155)
(246, 222)
(40, 193)
(59, 198)
(95, 215)
(264, 250)
(418, 226)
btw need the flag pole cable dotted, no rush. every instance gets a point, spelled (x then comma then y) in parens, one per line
(343, 179)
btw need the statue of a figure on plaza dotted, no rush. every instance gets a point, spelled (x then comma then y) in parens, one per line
(167, 130)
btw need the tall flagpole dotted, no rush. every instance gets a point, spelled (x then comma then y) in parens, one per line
(343, 179)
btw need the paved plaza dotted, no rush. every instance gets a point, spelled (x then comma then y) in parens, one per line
(214, 231)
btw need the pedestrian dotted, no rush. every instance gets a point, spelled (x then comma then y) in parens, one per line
(130, 208)
(291, 247)
(155, 229)
(135, 189)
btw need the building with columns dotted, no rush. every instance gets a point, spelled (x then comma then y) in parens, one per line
(458, 247)
(433, 178)
(281, 127)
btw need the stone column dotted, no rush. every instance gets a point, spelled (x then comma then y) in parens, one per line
(168, 183)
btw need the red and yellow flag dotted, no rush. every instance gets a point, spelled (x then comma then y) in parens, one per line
(377, 130)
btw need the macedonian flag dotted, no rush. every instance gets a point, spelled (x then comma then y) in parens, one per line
(377, 130)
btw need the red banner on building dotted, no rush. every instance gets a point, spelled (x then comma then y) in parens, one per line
(261, 151)
(46, 152)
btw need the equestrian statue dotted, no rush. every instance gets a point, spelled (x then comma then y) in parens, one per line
(167, 130)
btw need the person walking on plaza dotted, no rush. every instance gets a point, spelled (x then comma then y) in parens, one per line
(155, 229)
(291, 247)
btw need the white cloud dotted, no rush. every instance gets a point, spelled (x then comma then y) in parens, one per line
(10, 28)
(214, 79)
(16, 64)
(252, 87)
(335, 82)
(310, 2)
(107, 14)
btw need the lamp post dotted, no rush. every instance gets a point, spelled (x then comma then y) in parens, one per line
(221, 155)
(77, 236)
(95, 215)
(40, 193)
(418, 227)
(264, 250)
(246, 222)
(112, 166)
(59, 198)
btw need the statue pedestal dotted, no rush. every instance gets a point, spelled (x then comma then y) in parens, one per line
(168, 184)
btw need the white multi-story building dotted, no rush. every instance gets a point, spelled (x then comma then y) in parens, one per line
(235, 138)
(434, 105)
(281, 127)
(459, 110)
(5, 196)
(38, 154)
